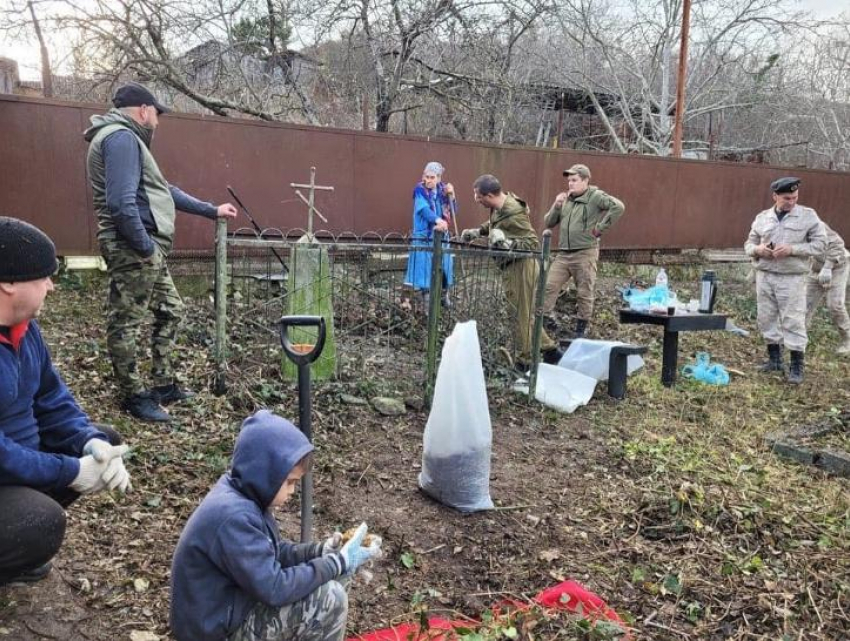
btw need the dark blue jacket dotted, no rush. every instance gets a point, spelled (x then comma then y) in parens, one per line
(125, 193)
(230, 555)
(42, 429)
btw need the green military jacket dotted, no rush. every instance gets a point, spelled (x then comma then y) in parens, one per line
(580, 215)
(514, 218)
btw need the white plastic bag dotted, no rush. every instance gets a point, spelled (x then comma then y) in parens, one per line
(563, 389)
(458, 436)
(590, 358)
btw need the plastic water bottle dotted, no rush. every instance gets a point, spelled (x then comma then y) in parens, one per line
(661, 279)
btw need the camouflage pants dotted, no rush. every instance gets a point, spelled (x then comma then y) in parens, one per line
(835, 294)
(781, 302)
(137, 287)
(321, 616)
(519, 280)
(581, 266)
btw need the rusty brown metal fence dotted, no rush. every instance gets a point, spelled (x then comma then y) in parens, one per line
(670, 204)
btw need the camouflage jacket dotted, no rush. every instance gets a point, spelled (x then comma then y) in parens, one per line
(836, 253)
(801, 228)
(514, 218)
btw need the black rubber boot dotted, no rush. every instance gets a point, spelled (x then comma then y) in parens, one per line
(29, 576)
(167, 394)
(795, 372)
(553, 356)
(581, 328)
(774, 359)
(145, 407)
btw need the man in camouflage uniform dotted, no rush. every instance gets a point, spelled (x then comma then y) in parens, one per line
(584, 213)
(135, 209)
(781, 242)
(509, 227)
(828, 276)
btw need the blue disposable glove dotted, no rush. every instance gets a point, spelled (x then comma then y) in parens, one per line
(354, 553)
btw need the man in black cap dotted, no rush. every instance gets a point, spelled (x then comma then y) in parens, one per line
(50, 452)
(781, 242)
(135, 209)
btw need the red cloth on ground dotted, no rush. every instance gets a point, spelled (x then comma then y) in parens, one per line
(569, 595)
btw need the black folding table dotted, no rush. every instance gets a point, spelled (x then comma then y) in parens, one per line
(679, 322)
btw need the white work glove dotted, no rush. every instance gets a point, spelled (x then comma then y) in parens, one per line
(468, 235)
(88, 480)
(114, 475)
(332, 544)
(102, 451)
(354, 554)
(498, 239)
(825, 276)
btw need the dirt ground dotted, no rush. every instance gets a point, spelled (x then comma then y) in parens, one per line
(668, 504)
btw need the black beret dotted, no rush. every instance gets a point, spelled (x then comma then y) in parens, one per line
(26, 253)
(135, 95)
(786, 185)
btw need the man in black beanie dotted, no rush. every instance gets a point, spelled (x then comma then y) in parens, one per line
(50, 452)
(135, 208)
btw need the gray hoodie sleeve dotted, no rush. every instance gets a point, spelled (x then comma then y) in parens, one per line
(121, 158)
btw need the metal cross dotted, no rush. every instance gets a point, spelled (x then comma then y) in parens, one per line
(310, 202)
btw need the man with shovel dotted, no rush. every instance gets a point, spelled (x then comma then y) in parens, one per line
(135, 209)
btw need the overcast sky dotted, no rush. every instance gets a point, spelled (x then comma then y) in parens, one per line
(28, 56)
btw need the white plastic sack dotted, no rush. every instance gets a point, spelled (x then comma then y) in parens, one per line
(590, 358)
(563, 389)
(458, 436)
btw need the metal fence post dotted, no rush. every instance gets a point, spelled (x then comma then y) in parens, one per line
(539, 295)
(220, 382)
(435, 293)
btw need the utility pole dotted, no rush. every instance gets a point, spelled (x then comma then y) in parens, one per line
(680, 81)
(46, 71)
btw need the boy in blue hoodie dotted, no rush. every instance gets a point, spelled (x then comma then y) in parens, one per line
(232, 578)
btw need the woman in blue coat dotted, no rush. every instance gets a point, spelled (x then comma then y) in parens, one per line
(432, 209)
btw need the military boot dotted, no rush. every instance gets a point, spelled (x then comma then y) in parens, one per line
(145, 407)
(168, 394)
(774, 362)
(843, 348)
(581, 328)
(795, 371)
(553, 356)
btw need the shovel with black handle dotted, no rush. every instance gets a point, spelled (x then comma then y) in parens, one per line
(302, 355)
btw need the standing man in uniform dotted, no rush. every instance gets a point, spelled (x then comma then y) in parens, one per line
(509, 227)
(584, 212)
(135, 209)
(828, 276)
(781, 242)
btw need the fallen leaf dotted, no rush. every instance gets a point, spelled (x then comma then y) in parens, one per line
(549, 555)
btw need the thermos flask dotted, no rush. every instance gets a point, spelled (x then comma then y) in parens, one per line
(707, 292)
